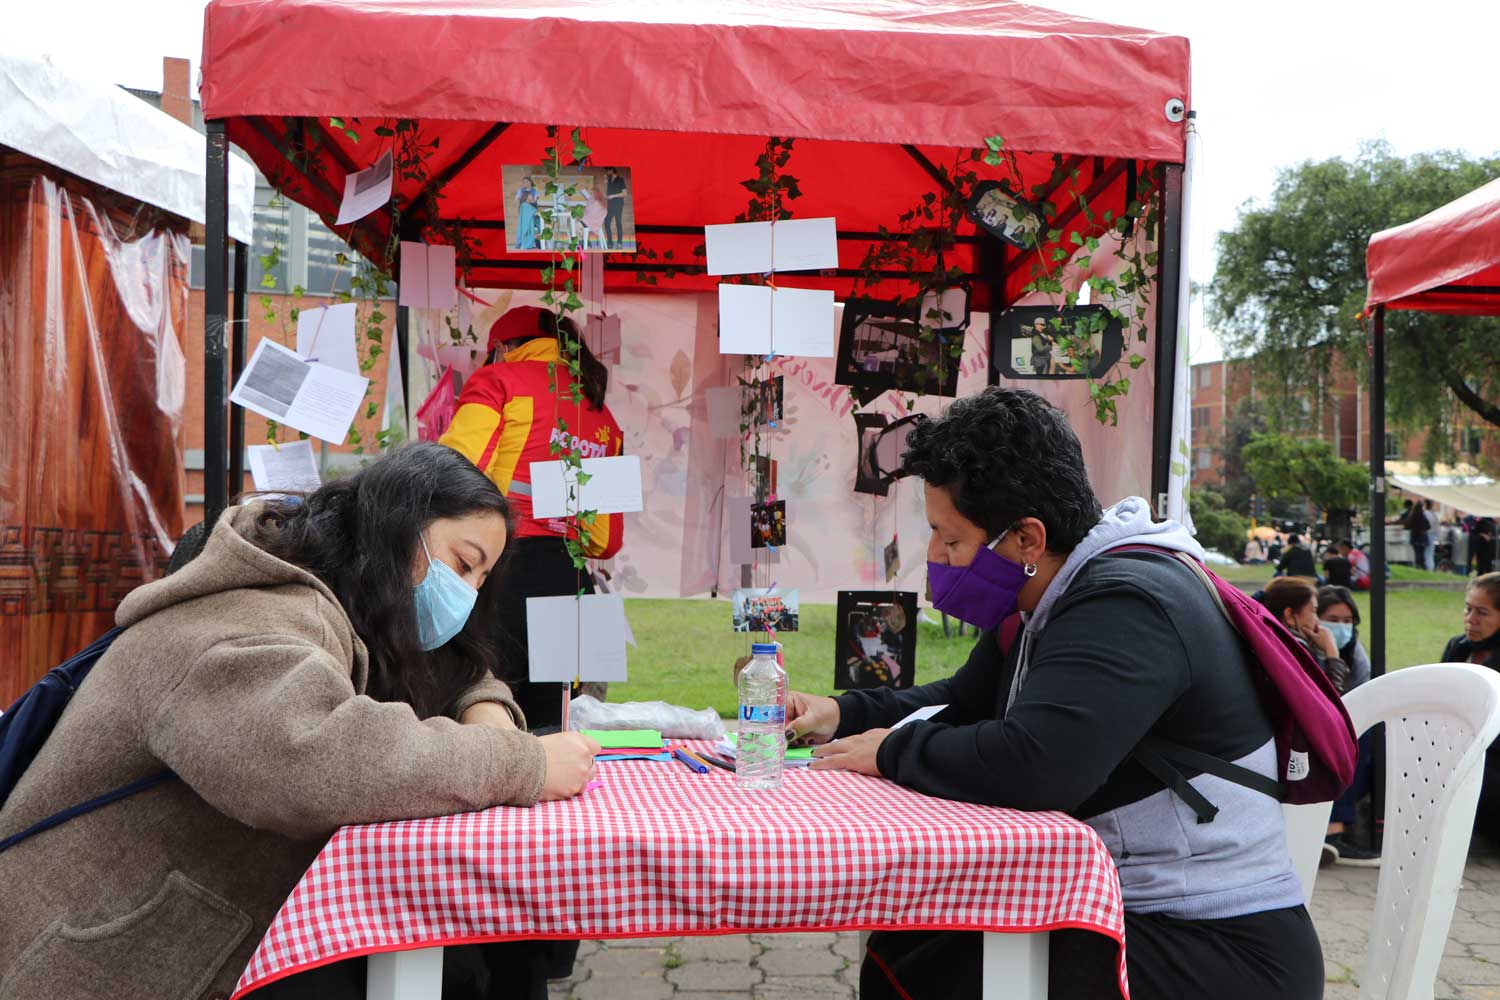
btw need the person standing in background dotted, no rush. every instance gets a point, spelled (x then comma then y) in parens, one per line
(1416, 527)
(1428, 562)
(1482, 546)
(507, 418)
(511, 413)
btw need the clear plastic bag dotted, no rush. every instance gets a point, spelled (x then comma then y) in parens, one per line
(673, 721)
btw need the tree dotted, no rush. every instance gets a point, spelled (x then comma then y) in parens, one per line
(1238, 488)
(1290, 288)
(1290, 467)
(1218, 528)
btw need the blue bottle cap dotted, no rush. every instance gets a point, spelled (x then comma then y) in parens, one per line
(762, 649)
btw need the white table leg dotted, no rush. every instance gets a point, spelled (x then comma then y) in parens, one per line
(1015, 966)
(405, 975)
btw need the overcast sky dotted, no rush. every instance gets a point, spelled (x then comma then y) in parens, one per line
(1275, 82)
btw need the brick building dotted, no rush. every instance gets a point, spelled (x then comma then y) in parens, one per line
(1335, 411)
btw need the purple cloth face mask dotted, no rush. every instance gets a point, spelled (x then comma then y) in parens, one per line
(982, 593)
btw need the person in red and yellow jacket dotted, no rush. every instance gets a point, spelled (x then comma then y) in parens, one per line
(509, 414)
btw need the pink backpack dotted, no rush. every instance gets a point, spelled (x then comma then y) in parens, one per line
(1315, 741)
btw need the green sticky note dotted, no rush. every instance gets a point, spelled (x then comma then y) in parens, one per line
(792, 753)
(631, 739)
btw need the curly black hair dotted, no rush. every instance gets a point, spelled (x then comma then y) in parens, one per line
(1005, 454)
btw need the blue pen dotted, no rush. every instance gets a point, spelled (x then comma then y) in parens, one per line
(689, 761)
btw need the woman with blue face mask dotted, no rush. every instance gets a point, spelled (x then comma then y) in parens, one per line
(318, 664)
(1101, 652)
(1338, 615)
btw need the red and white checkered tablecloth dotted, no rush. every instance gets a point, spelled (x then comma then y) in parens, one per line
(661, 851)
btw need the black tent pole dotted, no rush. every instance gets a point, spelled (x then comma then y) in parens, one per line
(403, 338)
(1377, 558)
(1377, 494)
(1168, 283)
(237, 339)
(216, 261)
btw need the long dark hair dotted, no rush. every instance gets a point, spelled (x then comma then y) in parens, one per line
(361, 536)
(594, 375)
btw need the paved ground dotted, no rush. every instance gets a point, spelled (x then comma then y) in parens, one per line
(824, 966)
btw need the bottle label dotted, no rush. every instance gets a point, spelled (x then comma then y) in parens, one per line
(770, 714)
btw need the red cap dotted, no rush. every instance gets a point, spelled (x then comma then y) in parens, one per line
(520, 323)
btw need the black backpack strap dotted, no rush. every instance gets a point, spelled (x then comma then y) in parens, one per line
(1149, 758)
(58, 818)
(1159, 757)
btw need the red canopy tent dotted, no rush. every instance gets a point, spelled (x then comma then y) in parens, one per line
(880, 94)
(1448, 261)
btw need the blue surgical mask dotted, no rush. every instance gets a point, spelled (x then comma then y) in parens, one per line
(443, 602)
(1342, 632)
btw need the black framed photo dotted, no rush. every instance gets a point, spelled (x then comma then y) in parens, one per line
(876, 639)
(1045, 342)
(867, 477)
(883, 346)
(1006, 216)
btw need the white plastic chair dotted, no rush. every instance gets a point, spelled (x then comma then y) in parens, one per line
(1439, 721)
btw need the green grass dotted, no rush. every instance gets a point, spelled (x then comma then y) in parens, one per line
(1399, 574)
(686, 651)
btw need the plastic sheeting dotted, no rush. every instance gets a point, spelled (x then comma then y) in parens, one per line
(1448, 261)
(93, 379)
(107, 136)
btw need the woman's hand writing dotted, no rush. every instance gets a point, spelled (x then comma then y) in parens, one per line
(810, 718)
(570, 764)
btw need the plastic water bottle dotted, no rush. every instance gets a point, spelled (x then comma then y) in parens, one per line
(760, 753)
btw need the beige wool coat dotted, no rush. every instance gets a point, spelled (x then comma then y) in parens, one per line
(243, 675)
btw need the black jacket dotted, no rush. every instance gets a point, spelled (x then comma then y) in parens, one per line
(1297, 561)
(1134, 646)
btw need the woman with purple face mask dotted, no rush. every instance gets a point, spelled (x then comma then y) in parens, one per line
(1098, 646)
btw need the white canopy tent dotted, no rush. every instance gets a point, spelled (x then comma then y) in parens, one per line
(1471, 495)
(106, 136)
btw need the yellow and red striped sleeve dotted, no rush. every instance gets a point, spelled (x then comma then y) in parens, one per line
(491, 426)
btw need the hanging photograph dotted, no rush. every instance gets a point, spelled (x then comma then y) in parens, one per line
(758, 609)
(876, 639)
(867, 430)
(1005, 216)
(1044, 342)
(592, 206)
(882, 346)
(764, 473)
(768, 524)
(769, 396)
(893, 560)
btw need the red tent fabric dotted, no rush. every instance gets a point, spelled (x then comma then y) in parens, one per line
(895, 71)
(685, 92)
(1448, 261)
